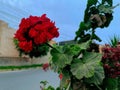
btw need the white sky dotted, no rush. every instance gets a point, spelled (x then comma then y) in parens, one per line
(66, 13)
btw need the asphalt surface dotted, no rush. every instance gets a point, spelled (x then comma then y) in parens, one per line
(27, 79)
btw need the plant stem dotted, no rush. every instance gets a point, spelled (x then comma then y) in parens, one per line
(93, 32)
(52, 47)
(99, 2)
(68, 87)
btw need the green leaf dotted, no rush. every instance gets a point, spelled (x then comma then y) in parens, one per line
(118, 83)
(15, 42)
(86, 15)
(85, 45)
(110, 2)
(79, 32)
(85, 38)
(86, 66)
(72, 49)
(50, 88)
(109, 19)
(98, 77)
(60, 59)
(84, 26)
(114, 41)
(91, 2)
(64, 54)
(111, 83)
(94, 36)
(44, 83)
(105, 9)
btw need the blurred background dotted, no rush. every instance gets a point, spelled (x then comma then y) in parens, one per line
(66, 14)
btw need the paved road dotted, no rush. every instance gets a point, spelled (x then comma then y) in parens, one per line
(27, 79)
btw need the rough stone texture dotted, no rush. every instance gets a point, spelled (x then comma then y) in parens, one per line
(19, 61)
(13, 61)
(7, 47)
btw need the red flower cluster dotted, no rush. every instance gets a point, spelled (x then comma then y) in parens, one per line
(35, 31)
(45, 66)
(60, 76)
(111, 61)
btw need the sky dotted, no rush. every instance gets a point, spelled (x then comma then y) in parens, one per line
(67, 15)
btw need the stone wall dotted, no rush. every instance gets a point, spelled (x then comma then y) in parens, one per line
(7, 47)
(9, 54)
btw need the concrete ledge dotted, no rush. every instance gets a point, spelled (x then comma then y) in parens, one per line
(21, 61)
(14, 61)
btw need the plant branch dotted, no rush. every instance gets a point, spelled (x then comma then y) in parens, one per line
(99, 2)
(115, 6)
(93, 31)
(52, 47)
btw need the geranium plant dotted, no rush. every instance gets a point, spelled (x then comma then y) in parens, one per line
(79, 65)
(33, 35)
(79, 68)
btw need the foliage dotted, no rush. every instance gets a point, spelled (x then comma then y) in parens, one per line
(74, 62)
(114, 41)
(81, 66)
(97, 15)
(43, 86)
(111, 83)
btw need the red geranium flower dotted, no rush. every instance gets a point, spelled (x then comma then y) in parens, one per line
(45, 66)
(25, 23)
(33, 33)
(60, 76)
(26, 46)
